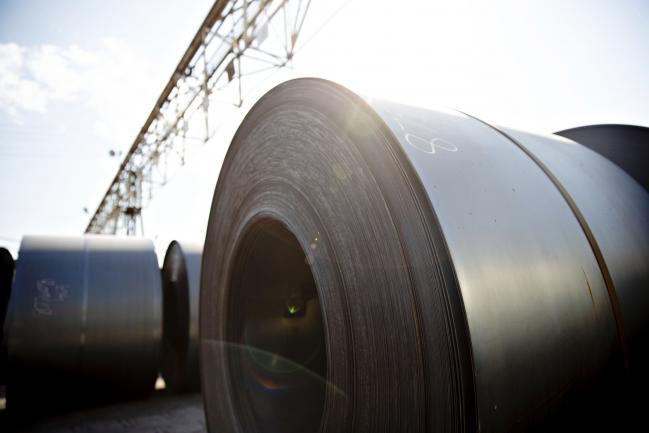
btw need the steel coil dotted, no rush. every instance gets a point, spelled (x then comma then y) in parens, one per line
(625, 145)
(84, 321)
(180, 289)
(7, 266)
(375, 267)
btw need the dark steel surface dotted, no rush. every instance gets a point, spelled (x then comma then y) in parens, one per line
(181, 274)
(84, 320)
(464, 275)
(7, 266)
(625, 145)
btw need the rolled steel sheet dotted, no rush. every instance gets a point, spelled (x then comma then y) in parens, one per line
(614, 211)
(181, 273)
(378, 267)
(84, 321)
(625, 145)
(7, 266)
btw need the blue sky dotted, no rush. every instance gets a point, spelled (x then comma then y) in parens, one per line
(78, 79)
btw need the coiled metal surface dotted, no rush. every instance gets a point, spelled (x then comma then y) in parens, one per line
(84, 320)
(180, 289)
(625, 145)
(375, 267)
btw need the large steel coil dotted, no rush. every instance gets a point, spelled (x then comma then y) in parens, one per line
(625, 145)
(181, 273)
(84, 320)
(7, 266)
(374, 267)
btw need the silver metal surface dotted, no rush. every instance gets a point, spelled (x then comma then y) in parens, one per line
(467, 276)
(530, 283)
(181, 274)
(84, 320)
(616, 209)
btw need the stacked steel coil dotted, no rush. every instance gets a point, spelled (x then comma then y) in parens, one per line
(84, 320)
(375, 267)
(180, 289)
(625, 145)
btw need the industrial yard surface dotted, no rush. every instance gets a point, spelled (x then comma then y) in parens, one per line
(162, 413)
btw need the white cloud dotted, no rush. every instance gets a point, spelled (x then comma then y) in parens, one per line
(18, 93)
(113, 82)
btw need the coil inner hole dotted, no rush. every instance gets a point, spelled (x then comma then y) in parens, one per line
(278, 356)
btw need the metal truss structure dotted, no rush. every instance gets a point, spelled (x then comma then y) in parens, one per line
(237, 36)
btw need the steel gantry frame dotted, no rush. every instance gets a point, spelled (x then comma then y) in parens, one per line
(236, 35)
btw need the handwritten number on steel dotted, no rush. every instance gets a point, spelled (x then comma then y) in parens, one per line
(427, 145)
(47, 293)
